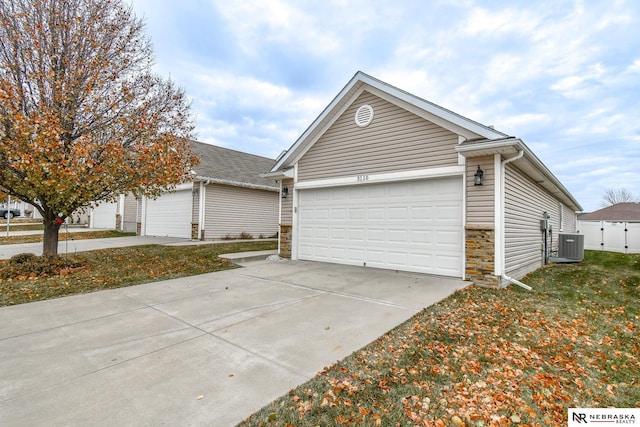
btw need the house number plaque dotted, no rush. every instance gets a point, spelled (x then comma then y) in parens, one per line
(363, 178)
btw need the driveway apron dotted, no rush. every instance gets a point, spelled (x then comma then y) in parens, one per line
(206, 350)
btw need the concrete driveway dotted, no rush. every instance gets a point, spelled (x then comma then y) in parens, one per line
(206, 350)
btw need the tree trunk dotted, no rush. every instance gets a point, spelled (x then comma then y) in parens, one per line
(50, 242)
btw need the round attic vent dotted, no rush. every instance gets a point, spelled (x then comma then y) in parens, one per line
(364, 115)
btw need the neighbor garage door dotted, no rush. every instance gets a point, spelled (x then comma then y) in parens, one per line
(411, 225)
(169, 215)
(104, 216)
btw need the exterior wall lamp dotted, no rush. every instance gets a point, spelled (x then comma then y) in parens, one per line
(478, 177)
(285, 192)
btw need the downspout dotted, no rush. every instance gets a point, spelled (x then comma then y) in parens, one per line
(502, 259)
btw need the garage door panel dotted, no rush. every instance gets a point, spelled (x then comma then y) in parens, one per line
(398, 214)
(338, 233)
(338, 253)
(448, 238)
(397, 236)
(376, 235)
(421, 212)
(170, 215)
(376, 213)
(321, 233)
(356, 213)
(412, 225)
(375, 255)
(356, 235)
(397, 258)
(422, 237)
(355, 255)
(338, 214)
(357, 193)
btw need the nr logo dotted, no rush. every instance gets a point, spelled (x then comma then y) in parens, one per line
(579, 418)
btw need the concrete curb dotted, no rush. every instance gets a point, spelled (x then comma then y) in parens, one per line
(240, 257)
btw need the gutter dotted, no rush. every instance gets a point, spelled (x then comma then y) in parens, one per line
(502, 259)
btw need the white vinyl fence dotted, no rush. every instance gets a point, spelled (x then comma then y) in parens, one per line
(611, 236)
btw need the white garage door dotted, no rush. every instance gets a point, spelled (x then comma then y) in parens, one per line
(169, 215)
(104, 216)
(410, 226)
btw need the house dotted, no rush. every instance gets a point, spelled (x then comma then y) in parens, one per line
(227, 198)
(615, 228)
(383, 178)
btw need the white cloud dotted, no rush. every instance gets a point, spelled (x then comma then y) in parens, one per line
(525, 121)
(634, 67)
(492, 23)
(255, 23)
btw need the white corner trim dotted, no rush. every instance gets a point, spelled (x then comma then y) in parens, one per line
(382, 177)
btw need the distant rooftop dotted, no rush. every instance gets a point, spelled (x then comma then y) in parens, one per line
(619, 212)
(231, 167)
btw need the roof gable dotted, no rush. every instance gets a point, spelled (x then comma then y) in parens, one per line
(619, 212)
(231, 167)
(354, 88)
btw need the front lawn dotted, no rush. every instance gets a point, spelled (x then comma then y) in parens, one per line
(490, 357)
(119, 267)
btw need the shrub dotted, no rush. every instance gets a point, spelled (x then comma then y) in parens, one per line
(245, 236)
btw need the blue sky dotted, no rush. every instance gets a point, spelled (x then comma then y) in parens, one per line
(564, 76)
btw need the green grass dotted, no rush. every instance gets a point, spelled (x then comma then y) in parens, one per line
(62, 236)
(119, 267)
(486, 357)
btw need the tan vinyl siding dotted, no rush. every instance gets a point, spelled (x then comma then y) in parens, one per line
(569, 220)
(130, 208)
(287, 204)
(230, 211)
(395, 140)
(130, 213)
(480, 199)
(195, 206)
(525, 203)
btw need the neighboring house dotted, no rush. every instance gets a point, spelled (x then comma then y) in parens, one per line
(227, 198)
(385, 179)
(615, 228)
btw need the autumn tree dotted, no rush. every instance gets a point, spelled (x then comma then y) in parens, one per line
(83, 117)
(620, 195)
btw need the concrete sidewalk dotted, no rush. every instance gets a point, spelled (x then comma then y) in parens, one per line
(73, 246)
(204, 350)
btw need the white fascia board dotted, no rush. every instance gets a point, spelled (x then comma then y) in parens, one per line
(237, 184)
(382, 177)
(481, 148)
(279, 174)
(184, 186)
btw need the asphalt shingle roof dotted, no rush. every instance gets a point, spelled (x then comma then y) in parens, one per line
(618, 212)
(232, 167)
